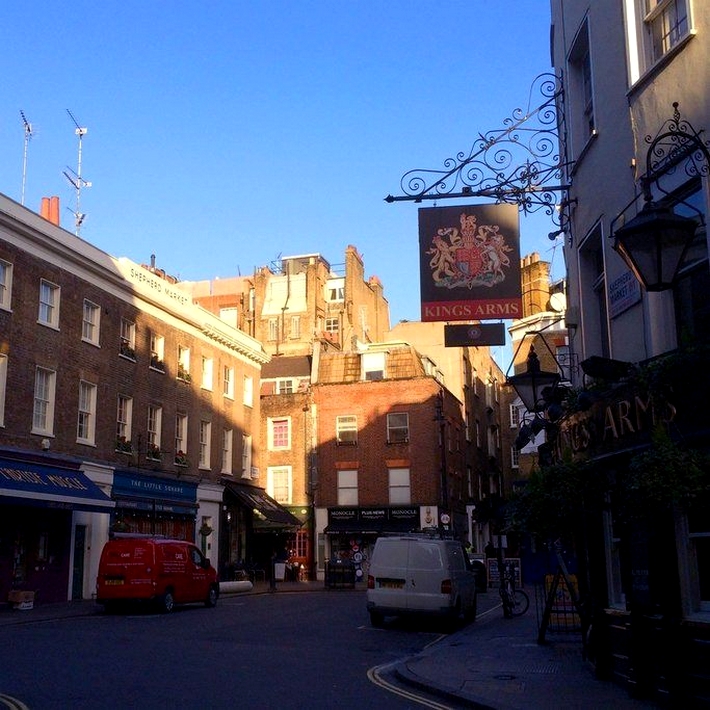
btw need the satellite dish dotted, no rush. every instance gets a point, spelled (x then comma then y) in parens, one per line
(558, 302)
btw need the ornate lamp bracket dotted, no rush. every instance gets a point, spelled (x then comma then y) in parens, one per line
(517, 164)
(676, 144)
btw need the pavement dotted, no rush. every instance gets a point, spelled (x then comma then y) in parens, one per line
(492, 663)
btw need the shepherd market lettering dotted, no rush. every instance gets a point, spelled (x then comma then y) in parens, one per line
(13, 474)
(615, 421)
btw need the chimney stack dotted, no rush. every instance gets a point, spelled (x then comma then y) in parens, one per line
(50, 209)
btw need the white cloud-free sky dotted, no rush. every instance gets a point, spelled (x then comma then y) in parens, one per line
(222, 134)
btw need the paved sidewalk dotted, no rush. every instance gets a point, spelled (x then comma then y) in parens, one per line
(497, 663)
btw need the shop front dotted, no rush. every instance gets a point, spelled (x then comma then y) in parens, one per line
(38, 501)
(153, 505)
(256, 532)
(352, 531)
(646, 466)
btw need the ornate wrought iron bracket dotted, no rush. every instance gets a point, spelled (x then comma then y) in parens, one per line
(676, 143)
(518, 164)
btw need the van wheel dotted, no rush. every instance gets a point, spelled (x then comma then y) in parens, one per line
(376, 619)
(167, 602)
(212, 595)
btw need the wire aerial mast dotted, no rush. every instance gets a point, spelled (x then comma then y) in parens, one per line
(28, 137)
(76, 180)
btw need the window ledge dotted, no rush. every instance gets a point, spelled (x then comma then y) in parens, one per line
(650, 72)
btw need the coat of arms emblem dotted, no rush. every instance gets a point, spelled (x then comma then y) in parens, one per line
(469, 255)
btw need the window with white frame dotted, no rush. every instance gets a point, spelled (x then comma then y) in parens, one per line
(295, 327)
(246, 456)
(397, 428)
(124, 415)
(183, 363)
(656, 28)
(86, 423)
(3, 387)
(335, 290)
(155, 420)
(612, 541)
(279, 484)
(157, 351)
(127, 339)
(581, 91)
(5, 285)
(347, 487)
(90, 322)
(331, 325)
(227, 450)
(399, 486)
(474, 381)
(248, 399)
(44, 399)
(592, 288)
(279, 433)
(514, 416)
(699, 551)
(205, 443)
(228, 381)
(346, 429)
(181, 439)
(273, 332)
(48, 304)
(373, 366)
(284, 386)
(514, 457)
(207, 372)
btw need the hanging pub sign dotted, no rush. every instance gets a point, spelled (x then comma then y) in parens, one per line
(470, 263)
(476, 334)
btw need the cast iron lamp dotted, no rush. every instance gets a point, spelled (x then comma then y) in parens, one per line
(653, 244)
(534, 386)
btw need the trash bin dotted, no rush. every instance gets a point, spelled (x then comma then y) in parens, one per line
(339, 574)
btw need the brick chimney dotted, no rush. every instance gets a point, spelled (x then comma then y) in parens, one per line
(50, 209)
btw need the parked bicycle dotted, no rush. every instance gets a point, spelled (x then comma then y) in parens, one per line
(515, 601)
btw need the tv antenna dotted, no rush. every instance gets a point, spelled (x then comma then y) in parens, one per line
(76, 180)
(28, 137)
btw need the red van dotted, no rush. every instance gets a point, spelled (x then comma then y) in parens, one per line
(137, 568)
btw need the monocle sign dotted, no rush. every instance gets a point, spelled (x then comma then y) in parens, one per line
(614, 424)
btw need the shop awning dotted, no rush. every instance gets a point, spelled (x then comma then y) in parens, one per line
(268, 514)
(28, 483)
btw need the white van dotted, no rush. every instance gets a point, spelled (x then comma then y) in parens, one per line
(416, 574)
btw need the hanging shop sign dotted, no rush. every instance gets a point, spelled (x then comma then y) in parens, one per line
(470, 263)
(474, 335)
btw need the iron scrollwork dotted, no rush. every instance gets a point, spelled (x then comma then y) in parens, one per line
(676, 143)
(518, 164)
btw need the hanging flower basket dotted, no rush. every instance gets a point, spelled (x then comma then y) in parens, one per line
(205, 530)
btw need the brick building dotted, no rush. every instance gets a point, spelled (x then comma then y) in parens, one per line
(122, 405)
(391, 449)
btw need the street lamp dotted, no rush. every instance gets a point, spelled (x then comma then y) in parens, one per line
(653, 244)
(534, 386)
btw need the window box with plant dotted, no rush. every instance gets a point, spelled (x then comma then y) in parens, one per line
(183, 374)
(181, 459)
(127, 351)
(123, 445)
(156, 363)
(154, 453)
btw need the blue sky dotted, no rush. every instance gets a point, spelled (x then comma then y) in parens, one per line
(224, 134)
